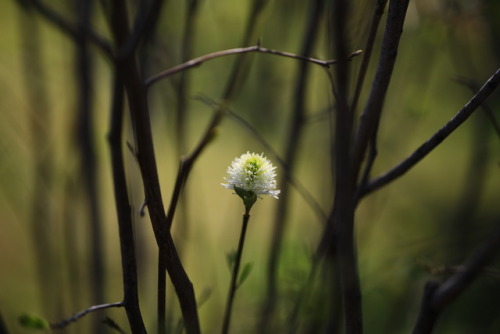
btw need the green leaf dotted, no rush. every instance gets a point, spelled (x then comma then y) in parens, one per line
(231, 259)
(249, 197)
(33, 322)
(245, 272)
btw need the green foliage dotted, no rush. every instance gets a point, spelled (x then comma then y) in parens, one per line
(249, 197)
(231, 259)
(245, 272)
(33, 322)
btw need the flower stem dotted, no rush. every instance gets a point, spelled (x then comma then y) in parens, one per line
(234, 278)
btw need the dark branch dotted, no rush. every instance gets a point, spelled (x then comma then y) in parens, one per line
(437, 138)
(76, 316)
(474, 87)
(68, 28)
(437, 297)
(373, 110)
(256, 48)
(377, 15)
(124, 212)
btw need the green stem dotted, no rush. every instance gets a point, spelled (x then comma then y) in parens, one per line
(234, 278)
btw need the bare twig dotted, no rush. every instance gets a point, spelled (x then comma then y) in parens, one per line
(256, 48)
(78, 315)
(145, 21)
(441, 269)
(124, 212)
(344, 259)
(438, 296)
(293, 138)
(377, 15)
(67, 28)
(421, 152)
(88, 157)
(373, 109)
(138, 105)
(474, 87)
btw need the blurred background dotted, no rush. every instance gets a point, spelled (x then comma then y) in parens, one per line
(56, 181)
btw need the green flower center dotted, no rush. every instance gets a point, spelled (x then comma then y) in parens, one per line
(253, 165)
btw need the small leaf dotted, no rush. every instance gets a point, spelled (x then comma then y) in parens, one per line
(33, 322)
(249, 197)
(247, 269)
(231, 259)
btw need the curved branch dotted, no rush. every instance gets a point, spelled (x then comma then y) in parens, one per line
(256, 48)
(438, 296)
(78, 315)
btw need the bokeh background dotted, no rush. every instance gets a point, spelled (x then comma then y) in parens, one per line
(434, 216)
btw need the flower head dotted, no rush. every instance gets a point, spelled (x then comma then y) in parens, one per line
(252, 175)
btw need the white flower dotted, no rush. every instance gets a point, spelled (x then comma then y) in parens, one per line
(252, 172)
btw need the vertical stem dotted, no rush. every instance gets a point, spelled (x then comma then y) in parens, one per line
(88, 164)
(139, 113)
(124, 211)
(373, 109)
(344, 258)
(234, 278)
(161, 305)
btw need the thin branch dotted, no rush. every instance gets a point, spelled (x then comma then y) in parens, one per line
(372, 155)
(421, 152)
(377, 15)
(145, 21)
(66, 27)
(373, 110)
(234, 277)
(344, 260)
(62, 324)
(455, 285)
(474, 87)
(438, 296)
(124, 212)
(293, 138)
(138, 106)
(256, 48)
(441, 269)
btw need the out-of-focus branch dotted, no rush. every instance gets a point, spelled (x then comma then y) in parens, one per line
(145, 21)
(3, 327)
(343, 259)
(88, 158)
(438, 296)
(66, 27)
(256, 48)
(293, 138)
(377, 15)
(436, 138)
